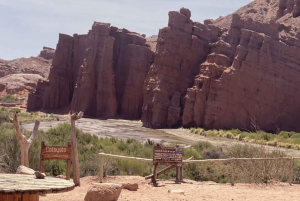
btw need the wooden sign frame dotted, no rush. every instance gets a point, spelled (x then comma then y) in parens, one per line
(57, 153)
(168, 156)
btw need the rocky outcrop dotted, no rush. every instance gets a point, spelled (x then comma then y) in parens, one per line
(101, 73)
(238, 71)
(151, 42)
(47, 53)
(19, 84)
(249, 78)
(181, 48)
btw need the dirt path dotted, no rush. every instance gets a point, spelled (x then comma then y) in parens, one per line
(192, 191)
(124, 129)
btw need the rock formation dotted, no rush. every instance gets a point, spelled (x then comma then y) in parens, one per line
(101, 73)
(20, 76)
(250, 77)
(181, 47)
(33, 65)
(19, 84)
(238, 71)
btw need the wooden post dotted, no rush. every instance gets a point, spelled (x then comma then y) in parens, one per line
(154, 178)
(68, 173)
(181, 174)
(291, 171)
(177, 174)
(101, 167)
(76, 175)
(42, 168)
(24, 143)
(232, 172)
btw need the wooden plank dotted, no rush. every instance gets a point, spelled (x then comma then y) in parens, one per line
(161, 172)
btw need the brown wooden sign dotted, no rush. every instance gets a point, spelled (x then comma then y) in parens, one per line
(56, 152)
(167, 155)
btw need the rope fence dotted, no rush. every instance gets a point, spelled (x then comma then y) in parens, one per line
(238, 169)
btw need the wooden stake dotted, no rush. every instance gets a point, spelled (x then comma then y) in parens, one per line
(24, 143)
(76, 175)
(232, 172)
(181, 174)
(291, 171)
(177, 174)
(154, 178)
(101, 167)
(68, 165)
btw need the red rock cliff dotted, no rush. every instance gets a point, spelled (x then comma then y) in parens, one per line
(101, 73)
(238, 71)
(250, 77)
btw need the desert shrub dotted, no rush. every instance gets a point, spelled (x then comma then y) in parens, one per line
(258, 171)
(9, 99)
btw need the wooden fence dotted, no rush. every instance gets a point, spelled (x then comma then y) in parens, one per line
(232, 162)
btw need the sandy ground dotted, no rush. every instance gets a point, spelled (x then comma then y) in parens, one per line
(202, 191)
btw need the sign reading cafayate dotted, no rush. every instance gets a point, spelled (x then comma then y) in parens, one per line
(56, 152)
(167, 155)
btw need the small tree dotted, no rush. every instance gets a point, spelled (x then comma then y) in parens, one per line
(25, 143)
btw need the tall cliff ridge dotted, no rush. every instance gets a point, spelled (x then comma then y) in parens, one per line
(101, 73)
(250, 77)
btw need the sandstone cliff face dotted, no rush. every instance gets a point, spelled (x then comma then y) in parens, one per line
(100, 73)
(181, 47)
(238, 71)
(249, 80)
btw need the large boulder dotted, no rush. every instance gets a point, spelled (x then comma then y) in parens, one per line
(103, 192)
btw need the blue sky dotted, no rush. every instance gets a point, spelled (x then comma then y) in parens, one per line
(28, 25)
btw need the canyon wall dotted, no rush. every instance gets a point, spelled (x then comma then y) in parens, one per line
(249, 80)
(101, 73)
(238, 71)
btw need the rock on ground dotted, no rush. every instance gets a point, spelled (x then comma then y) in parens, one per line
(25, 170)
(103, 192)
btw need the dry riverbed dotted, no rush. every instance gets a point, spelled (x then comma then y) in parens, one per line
(124, 129)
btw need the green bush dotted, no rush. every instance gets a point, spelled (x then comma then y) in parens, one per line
(9, 99)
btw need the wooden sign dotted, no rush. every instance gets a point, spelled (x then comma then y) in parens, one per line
(56, 152)
(167, 155)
